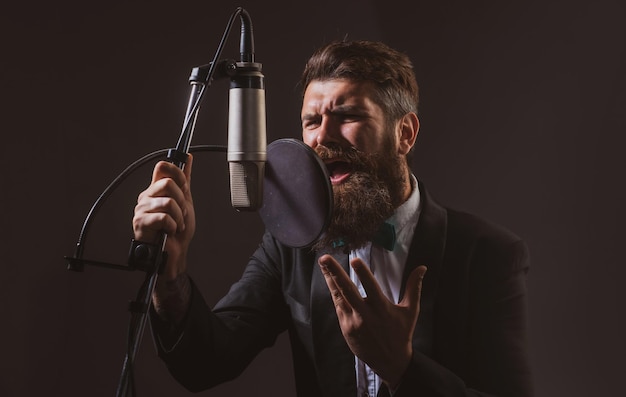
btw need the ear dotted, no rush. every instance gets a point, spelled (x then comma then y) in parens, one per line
(408, 128)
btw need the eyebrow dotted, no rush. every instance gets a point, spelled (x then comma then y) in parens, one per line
(339, 109)
(348, 109)
(309, 116)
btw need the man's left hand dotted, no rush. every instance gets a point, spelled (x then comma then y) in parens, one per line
(377, 331)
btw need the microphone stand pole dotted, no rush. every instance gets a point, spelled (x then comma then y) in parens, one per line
(147, 256)
(152, 257)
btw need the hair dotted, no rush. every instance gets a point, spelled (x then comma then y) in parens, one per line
(390, 72)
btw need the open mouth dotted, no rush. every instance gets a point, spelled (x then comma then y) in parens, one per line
(338, 170)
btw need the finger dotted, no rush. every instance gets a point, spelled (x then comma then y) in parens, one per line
(367, 279)
(182, 179)
(163, 206)
(162, 195)
(413, 292)
(342, 289)
(165, 187)
(335, 293)
(343, 281)
(148, 225)
(165, 197)
(171, 206)
(165, 169)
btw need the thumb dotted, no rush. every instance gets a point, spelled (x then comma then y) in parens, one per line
(187, 169)
(187, 172)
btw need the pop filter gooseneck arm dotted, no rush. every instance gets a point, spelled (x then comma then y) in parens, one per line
(77, 263)
(146, 256)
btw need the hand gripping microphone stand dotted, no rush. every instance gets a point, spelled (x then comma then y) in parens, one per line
(146, 256)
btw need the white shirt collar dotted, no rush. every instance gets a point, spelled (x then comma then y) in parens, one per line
(407, 213)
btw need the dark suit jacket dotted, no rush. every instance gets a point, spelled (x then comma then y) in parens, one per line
(470, 337)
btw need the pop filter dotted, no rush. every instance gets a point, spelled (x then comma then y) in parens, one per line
(297, 194)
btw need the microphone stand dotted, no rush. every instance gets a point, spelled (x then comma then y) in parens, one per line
(152, 257)
(147, 256)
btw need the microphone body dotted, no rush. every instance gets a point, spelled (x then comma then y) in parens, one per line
(247, 138)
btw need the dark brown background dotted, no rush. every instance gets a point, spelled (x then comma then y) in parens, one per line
(522, 122)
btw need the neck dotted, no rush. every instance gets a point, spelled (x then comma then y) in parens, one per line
(407, 188)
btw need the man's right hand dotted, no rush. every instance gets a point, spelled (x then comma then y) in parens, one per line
(167, 206)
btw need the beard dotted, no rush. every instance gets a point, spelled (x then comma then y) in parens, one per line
(362, 202)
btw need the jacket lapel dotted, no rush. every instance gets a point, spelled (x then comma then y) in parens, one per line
(427, 249)
(332, 354)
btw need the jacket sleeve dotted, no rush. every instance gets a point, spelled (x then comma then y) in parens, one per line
(215, 345)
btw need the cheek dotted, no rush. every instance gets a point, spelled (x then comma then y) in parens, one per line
(367, 142)
(309, 138)
(357, 137)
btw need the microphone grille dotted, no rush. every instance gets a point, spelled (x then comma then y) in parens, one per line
(246, 185)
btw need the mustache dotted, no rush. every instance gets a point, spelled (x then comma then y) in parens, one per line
(357, 159)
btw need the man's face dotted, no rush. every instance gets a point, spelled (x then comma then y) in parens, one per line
(342, 112)
(362, 153)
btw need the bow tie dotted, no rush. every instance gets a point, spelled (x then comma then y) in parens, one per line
(385, 237)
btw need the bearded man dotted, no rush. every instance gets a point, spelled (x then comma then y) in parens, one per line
(400, 297)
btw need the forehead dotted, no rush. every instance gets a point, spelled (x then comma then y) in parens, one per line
(328, 94)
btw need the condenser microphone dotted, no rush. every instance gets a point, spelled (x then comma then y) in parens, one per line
(247, 139)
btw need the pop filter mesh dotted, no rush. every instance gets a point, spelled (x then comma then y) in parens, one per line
(297, 194)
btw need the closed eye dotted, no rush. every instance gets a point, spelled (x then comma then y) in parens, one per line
(310, 122)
